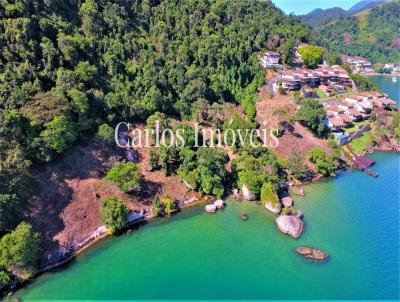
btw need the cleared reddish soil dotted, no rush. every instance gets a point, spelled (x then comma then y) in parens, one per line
(65, 208)
(271, 111)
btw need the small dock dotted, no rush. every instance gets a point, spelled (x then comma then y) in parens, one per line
(360, 161)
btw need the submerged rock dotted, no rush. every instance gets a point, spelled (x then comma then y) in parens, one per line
(211, 208)
(276, 209)
(247, 194)
(244, 216)
(290, 225)
(311, 253)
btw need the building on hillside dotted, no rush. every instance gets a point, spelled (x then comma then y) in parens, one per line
(358, 64)
(362, 105)
(295, 79)
(328, 90)
(341, 138)
(392, 67)
(271, 59)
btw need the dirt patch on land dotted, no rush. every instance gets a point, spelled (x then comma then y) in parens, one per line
(65, 209)
(273, 110)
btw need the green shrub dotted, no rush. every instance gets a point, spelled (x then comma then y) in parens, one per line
(125, 175)
(324, 164)
(114, 214)
(268, 194)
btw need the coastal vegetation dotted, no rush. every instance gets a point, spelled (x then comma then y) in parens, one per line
(324, 164)
(19, 251)
(256, 166)
(114, 214)
(268, 194)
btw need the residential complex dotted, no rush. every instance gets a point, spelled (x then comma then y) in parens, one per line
(333, 75)
(358, 64)
(341, 113)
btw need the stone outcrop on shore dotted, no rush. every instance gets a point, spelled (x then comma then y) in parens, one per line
(211, 208)
(274, 208)
(247, 194)
(289, 224)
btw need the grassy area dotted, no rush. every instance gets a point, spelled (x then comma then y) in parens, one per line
(356, 126)
(362, 143)
(320, 93)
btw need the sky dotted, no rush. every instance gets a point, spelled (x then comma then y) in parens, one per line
(300, 7)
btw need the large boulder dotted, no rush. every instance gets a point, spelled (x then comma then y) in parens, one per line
(289, 224)
(274, 208)
(211, 208)
(247, 194)
(220, 204)
(287, 201)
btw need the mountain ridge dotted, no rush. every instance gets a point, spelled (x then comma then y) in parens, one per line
(321, 16)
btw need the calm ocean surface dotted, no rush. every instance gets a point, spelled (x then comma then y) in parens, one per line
(354, 217)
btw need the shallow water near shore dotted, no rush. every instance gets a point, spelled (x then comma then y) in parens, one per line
(195, 255)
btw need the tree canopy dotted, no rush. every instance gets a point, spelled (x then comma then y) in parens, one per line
(114, 214)
(19, 251)
(312, 114)
(125, 175)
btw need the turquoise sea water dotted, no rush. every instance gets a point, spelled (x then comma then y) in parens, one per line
(195, 255)
(387, 85)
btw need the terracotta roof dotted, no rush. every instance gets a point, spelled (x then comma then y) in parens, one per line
(335, 122)
(345, 118)
(354, 112)
(272, 53)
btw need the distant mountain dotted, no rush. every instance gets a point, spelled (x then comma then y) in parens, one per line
(362, 5)
(372, 33)
(321, 16)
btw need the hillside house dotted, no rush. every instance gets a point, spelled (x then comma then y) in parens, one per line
(271, 59)
(358, 64)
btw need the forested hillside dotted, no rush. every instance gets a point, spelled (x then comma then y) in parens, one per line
(68, 66)
(372, 33)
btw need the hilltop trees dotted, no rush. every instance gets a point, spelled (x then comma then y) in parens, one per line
(311, 55)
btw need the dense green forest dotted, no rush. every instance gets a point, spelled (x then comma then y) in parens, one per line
(68, 67)
(372, 33)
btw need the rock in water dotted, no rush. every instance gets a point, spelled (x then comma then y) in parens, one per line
(311, 253)
(220, 204)
(287, 201)
(290, 225)
(304, 250)
(247, 194)
(276, 209)
(211, 208)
